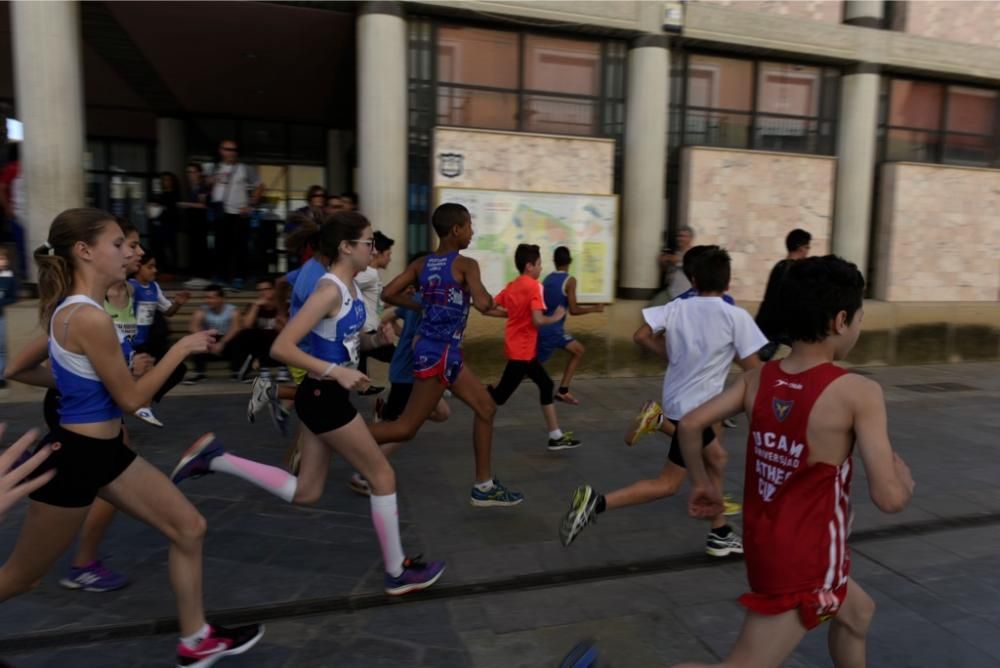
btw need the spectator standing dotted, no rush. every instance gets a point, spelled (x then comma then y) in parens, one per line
(236, 192)
(194, 210)
(797, 243)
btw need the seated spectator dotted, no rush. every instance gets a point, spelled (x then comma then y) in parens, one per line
(225, 319)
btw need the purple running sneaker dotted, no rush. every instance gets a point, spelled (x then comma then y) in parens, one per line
(416, 575)
(195, 462)
(93, 577)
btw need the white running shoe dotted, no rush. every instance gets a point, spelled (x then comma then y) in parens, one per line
(260, 396)
(146, 415)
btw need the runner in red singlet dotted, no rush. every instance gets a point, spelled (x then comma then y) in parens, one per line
(806, 416)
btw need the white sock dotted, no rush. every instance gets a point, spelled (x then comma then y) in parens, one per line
(385, 517)
(556, 434)
(485, 486)
(277, 481)
(195, 639)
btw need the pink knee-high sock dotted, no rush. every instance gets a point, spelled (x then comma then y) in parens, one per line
(277, 481)
(385, 517)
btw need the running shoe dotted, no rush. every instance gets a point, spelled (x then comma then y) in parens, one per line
(219, 643)
(197, 461)
(497, 496)
(584, 655)
(581, 513)
(93, 577)
(416, 575)
(647, 421)
(564, 442)
(723, 546)
(730, 506)
(146, 415)
(567, 398)
(260, 396)
(193, 379)
(359, 485)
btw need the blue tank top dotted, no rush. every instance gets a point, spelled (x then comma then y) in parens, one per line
(338, 338)
(84, 397)
(303, 281)
(554, 293)
(148, 298)
(222, 321)
(401, 365)
(446, 301)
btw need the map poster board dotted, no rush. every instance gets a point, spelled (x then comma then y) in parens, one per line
(586, 224)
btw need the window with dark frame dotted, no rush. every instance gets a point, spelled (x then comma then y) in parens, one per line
(753, 104)
(471, 76)
(927, 121)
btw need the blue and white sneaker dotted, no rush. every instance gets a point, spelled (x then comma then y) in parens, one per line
(260, 396)
(146, 415)
(416, 575)
(93, 577)
(198, 458)
(584, 655)
(497, 496)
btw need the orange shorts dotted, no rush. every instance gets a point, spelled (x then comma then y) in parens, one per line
(815, 607)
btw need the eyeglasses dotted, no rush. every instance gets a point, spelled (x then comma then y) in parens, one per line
(368, 242)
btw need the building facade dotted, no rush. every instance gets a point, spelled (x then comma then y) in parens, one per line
(873, 125)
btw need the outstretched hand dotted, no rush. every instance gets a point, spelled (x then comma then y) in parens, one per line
(705, 501)
(11, 489)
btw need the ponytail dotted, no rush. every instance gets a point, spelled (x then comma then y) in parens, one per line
(55, 257)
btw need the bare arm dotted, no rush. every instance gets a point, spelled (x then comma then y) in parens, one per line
(705, 500)
(231, 333)
(250, 317)
(395, 292)
(889, 481)
(325, 299)
(646, 338)
(12, 487)
(749, 363)
(180, 299)
(28, 367)
(540, 319)
(197, 320)
(574, 307)
(481, 299)
(101, 347)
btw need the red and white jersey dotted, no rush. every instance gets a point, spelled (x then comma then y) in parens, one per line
(795, 516)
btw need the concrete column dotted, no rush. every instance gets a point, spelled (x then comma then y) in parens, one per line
(48, 83)
(856, 143)
(338, 177)
(171, 147)
(382, 122)
(644, 219)
(864, 13)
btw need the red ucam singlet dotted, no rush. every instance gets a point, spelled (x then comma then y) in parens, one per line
(795, 515)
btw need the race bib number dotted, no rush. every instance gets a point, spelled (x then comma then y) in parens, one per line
(145, 312)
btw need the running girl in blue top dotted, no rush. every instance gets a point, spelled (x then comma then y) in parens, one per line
(84, 255)
(332, 320)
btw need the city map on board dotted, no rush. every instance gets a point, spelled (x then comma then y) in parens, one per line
(586, 224)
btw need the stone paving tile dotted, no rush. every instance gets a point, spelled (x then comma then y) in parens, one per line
(936, 588)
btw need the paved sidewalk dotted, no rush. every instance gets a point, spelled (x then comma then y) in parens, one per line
(512, 595)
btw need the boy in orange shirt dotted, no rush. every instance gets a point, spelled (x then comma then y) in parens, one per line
(524, 306)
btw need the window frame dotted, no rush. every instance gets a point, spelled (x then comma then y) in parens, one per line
(940, 133)
(829, 146)
(599, 103)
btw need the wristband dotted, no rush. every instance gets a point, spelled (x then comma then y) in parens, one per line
(328, 369)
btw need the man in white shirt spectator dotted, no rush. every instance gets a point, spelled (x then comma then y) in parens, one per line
(236, 191)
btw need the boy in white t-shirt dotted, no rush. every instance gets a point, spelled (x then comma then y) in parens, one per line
(700, 337)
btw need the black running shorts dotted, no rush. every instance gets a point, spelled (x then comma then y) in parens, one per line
(675, 456)
(323, 406)
(83, 466)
